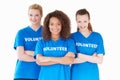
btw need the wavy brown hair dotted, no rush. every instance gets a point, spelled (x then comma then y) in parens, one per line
(84, 12)
(65, 22)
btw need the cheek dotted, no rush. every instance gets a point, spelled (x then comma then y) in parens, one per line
(30, 19)
(78, 24)
(50, 28)
(86, 24)
(60, 27)
(39, 18)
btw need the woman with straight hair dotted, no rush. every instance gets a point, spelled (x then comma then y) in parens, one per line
(89, 47)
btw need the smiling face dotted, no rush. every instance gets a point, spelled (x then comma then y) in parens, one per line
(34, 16)
(55, 26)
(82, 22)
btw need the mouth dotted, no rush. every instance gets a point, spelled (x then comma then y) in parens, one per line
(82, 27)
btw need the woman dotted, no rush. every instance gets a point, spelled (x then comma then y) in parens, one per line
(90, 49)
(25, 42)
(55, 52)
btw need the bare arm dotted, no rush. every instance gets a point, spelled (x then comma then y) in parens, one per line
(42, 60)
(81, 60)
(30, 53)
(78, 60)
(23, 56)
(95, 58)
(67, 59)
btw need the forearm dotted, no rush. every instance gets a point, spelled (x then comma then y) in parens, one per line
(30, 53)
(55, 60)
(78, 60)
(25, 57)
(63, 60)
(44, 63)
(93, 59)
(67, 59)
(21, 54)
(42, 60)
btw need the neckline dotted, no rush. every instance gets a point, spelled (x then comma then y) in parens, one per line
(35, 30)
(87, 35)
(55, 40)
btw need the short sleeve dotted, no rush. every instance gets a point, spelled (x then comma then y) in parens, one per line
(71, 46)
(38, 48)
(19, 40)
(100, 48)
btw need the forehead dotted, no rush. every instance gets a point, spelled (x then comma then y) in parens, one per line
(82, 17)
(54, 19)
(33, 11)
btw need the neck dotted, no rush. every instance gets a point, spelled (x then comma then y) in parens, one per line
(86, 33)
(35, 27)
(55, 37)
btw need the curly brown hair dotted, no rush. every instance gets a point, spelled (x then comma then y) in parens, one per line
(65, 22)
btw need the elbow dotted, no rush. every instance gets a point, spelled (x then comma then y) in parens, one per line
(37, 62)
(100, 59)
(20, 58)
(40, 63)
(100, 62)
(38, 59)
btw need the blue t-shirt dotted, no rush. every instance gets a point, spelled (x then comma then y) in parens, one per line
(58, 48)
(93, 43)
(27, 38)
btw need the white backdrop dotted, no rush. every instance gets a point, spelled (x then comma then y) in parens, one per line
(105, 19)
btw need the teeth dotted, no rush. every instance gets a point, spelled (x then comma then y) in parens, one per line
(83, 27)
(55, 30)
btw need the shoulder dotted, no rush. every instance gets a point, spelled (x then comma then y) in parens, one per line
(97, 34)
(41, 26)
(23, 29)
(69, 40)
(42, 41)
(74, 34)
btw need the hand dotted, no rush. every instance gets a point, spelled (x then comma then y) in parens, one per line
(94, 54)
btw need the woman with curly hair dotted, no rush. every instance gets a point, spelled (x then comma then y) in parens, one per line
(56, 51)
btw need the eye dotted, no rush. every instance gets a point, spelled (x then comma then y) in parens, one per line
(85, 21)
(37, 15)
(30, 15)
(58, 24)
(51, 24)
(79, 21)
